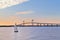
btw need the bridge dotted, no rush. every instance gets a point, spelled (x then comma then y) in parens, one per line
(36, 24)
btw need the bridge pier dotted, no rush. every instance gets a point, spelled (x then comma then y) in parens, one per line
(41, 24)
(38, 24)
(44, 24)
(57, 25)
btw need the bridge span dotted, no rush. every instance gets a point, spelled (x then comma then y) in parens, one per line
(32, 23)
(37, 24)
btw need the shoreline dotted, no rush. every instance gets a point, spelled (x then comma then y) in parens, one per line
(30, 25)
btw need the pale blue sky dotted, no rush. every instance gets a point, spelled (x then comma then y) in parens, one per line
(41, 9)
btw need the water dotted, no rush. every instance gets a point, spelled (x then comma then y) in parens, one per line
(30, 33)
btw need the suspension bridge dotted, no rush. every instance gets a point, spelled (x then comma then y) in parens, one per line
(32, 23)
(36, 24)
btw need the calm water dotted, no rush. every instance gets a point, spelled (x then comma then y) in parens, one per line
(30, 33)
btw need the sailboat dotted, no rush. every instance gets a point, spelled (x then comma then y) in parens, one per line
(15, 28)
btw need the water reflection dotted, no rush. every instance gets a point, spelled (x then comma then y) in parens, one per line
(15, 36)
(30, 33)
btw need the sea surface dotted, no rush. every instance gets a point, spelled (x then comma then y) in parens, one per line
(30, 33)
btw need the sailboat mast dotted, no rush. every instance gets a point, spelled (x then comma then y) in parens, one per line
(15, 28)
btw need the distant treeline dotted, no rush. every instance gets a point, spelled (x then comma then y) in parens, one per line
(6, 25)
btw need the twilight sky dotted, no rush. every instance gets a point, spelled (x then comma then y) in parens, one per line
(12, 11)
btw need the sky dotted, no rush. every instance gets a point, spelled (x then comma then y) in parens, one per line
(12, 11)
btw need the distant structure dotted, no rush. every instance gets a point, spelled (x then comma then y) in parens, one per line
(15, 28)
(37, 24)
(23, 22)
(32, 22)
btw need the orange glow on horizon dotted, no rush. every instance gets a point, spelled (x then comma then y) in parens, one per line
(13, 20)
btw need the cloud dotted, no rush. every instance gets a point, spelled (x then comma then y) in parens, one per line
(9, 3)
(25, 12)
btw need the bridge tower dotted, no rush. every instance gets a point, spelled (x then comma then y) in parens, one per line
(23, 22)
(32, 22)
